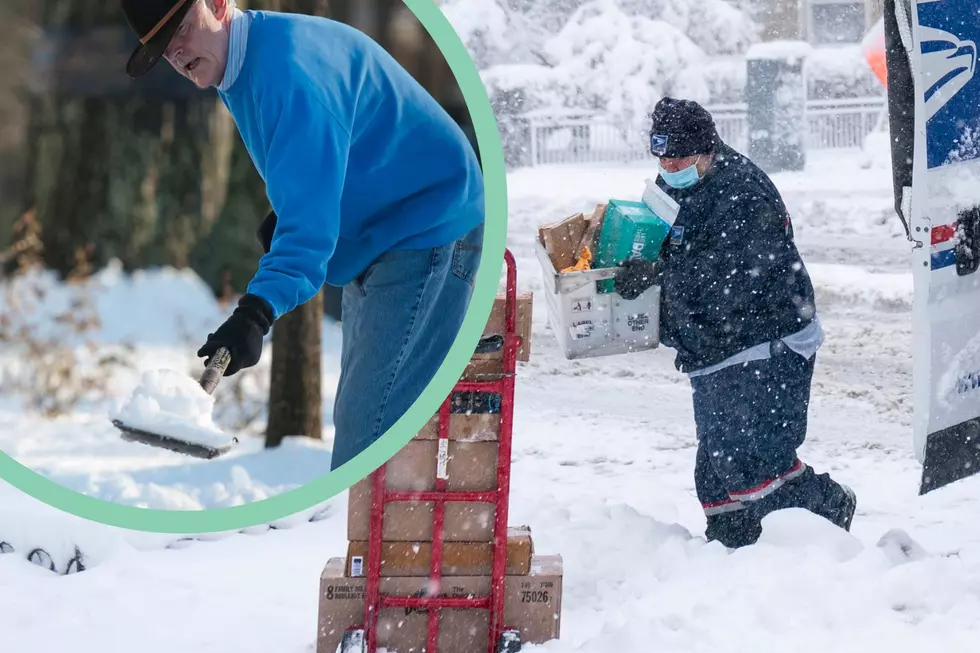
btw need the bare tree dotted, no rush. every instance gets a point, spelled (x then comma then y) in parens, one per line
(295, 404)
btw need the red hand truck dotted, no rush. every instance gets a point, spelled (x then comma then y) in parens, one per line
(363, 639)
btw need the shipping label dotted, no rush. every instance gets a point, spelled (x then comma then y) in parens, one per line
(357, 566)
(442, 465)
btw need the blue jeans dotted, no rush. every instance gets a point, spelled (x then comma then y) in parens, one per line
(400, 318)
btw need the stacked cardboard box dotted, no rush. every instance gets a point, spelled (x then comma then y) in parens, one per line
(467, 463)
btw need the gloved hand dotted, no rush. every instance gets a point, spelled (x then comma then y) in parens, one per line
(266, 230)
(634, 279)
(241, 334)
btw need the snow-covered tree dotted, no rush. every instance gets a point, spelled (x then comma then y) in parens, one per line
(616, 56)
(626, 61)
(715, 26)
(492, 31)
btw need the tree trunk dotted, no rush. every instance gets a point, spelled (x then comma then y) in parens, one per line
(295, 406)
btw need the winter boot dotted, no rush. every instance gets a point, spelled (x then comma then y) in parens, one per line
(834, 501)
(846, 507)
(733, 529)
(817, 493)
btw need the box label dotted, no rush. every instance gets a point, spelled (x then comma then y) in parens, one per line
(542, 591)
(442, 466)
(582, 329)
(344, 592)
(638, 322)
(535, 596)
(584, 305)
(357, 566)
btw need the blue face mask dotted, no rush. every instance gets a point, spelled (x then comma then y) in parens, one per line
(683, 178)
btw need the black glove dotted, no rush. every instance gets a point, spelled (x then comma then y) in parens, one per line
(266, 230)
(241, 334)
(634, 279)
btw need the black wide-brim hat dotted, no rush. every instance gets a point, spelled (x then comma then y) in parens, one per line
(155, 22)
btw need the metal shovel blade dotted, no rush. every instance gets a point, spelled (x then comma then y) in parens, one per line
(171, 443)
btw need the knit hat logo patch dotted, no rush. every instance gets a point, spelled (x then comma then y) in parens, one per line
(658, 144)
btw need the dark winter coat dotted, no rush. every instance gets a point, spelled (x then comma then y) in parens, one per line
(729, 271)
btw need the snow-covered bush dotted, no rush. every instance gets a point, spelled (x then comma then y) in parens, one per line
(720, 80)
(492, 31)
(625, 61)
(717, 27)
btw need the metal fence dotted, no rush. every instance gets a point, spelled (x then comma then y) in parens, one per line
(581, 137)
(841, 123)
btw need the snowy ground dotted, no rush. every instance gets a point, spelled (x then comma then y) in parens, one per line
(603, 459)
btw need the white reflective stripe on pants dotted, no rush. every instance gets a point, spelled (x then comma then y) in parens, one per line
(767, 488)
(721, 507)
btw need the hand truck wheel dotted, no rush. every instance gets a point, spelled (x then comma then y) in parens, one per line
(353, 642)
(510, 642)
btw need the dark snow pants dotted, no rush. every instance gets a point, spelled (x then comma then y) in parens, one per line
(751, 418)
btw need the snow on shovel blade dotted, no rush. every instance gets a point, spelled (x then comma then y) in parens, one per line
(186, 447)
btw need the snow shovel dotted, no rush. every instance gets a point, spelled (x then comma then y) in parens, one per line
(209, 381)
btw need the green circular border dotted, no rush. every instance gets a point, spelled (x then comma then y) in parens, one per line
(335, 482)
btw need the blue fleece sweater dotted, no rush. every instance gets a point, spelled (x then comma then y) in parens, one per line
(358, 159)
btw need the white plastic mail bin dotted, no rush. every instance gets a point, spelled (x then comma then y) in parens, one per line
(589, 324)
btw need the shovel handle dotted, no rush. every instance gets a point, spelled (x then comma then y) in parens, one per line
(215, 370)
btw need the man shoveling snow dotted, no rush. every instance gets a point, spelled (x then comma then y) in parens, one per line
(372, 185)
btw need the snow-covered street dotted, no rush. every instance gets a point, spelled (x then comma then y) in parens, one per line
(602, 473)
